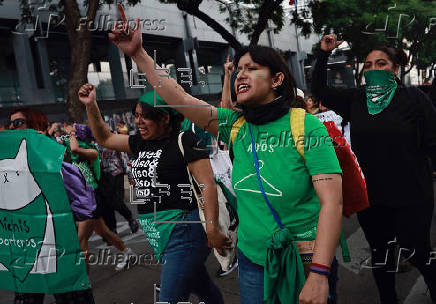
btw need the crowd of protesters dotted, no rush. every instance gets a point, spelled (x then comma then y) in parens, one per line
(289, 221)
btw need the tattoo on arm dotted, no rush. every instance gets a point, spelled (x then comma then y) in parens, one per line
(322, 179)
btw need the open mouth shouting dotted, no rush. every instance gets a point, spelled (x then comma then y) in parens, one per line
(143, 131)
(242, 88)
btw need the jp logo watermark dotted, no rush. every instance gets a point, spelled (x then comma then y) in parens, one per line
(44, 16)
(398, 19)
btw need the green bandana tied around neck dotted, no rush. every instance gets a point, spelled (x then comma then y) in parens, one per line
(380, 89)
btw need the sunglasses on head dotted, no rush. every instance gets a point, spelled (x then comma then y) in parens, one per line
(16, 123)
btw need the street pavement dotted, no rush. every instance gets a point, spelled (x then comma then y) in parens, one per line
(136, 285)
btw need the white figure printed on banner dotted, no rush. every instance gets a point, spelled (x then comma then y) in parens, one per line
(16, 177)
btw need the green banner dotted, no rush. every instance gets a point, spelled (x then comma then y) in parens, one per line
(39, 247)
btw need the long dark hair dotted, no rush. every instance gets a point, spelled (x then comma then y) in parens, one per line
(270, 58)
(157, 115)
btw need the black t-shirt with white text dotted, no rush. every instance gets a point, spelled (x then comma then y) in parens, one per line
(170, 187)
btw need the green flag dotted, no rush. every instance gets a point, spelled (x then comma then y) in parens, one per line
(39, 247)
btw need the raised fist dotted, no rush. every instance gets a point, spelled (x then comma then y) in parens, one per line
(87, 94)
(329, 42)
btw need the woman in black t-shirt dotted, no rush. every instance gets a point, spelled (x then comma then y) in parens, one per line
(393, 132)
(164, 196)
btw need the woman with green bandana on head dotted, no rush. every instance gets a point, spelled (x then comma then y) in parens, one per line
(166, 203)
(286, 192)
(393, 132)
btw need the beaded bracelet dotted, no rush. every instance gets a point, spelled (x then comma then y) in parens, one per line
(319, 269)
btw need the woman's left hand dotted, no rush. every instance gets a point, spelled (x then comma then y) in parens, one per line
(315, 290)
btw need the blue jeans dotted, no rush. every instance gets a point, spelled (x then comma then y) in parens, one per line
(251, 281)
(183, 270)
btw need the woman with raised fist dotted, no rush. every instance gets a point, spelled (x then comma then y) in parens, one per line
(393, 133)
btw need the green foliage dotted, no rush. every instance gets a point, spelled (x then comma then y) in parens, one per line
(426, 55)
(365, 24)
(244, 15)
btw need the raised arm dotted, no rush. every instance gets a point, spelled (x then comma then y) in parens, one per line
(100, 130)
(52, 128)
(338, 100)
(130, 42)
(226, 96)
(86, 154)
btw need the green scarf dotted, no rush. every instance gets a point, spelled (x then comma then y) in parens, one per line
(158, 233)
(284, 272)
(380, 89)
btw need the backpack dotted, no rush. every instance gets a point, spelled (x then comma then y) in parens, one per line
(355, 197)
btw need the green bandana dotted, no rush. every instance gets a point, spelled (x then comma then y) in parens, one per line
(284, 272)
(157, 102)
(158, 228)
(380, 89)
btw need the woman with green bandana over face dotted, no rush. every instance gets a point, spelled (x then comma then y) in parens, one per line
(393, 132)
(305, 192)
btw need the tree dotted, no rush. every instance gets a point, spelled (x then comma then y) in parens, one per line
(79, 37)
(364, 24)
(248, 16)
